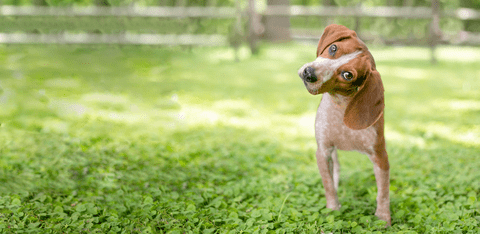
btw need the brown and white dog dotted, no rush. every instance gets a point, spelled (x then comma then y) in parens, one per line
(350, 115)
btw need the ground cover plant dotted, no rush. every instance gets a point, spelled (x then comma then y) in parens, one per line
(167, 140)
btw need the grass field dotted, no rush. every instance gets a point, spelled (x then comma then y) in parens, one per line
(163, 140)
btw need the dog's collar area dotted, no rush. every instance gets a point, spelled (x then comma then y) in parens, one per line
(340, 101)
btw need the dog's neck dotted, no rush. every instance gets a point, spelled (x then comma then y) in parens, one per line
(340, 101)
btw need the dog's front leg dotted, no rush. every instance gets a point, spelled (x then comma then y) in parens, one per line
(336, 170)
(326, 168)
(382, 176)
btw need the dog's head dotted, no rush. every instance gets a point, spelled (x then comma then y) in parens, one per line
(345, 66)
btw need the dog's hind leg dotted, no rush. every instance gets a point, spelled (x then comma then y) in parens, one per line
(382, 176)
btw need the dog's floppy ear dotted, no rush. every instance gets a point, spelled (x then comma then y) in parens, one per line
(367, 104)
(332, 33)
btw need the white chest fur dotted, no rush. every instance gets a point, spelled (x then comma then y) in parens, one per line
(330, 131)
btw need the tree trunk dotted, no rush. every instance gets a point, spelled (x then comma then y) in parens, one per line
(38, 3)
(254, 27)
(328, 3)
(435, 31)
(277, 28)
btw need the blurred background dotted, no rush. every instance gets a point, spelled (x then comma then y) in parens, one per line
(233, 22)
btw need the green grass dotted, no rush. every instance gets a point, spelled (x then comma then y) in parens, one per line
(161, 140)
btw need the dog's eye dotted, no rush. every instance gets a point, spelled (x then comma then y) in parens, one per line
(332, 50)
(348, 76)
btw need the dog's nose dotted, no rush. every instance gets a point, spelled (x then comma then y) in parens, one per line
(309, 74)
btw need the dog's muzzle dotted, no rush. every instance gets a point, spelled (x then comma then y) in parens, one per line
(322, 69)
(308, 75)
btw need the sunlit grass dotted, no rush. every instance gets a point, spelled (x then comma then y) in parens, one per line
(206, 88)
(181, 129)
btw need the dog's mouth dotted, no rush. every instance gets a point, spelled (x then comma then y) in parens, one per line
(307, 79)
(315, 83)
(312, 88)
(317, 88)
(315, 74)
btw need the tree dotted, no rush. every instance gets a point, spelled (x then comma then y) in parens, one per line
(277, 27)
(435, 33)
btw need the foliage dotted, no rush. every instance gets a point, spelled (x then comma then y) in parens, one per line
(159, 140)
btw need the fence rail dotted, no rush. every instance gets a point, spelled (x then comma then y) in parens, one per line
(126, 38)
(383, 12)
(133, 11)
(89, 38)
(198, 12)
(230, 12)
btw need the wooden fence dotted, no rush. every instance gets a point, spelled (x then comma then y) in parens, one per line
(120, 38)
(379, 12)
(233, 13)
(133, 11)
(362, 11)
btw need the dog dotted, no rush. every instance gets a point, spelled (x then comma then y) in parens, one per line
(350, 114)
